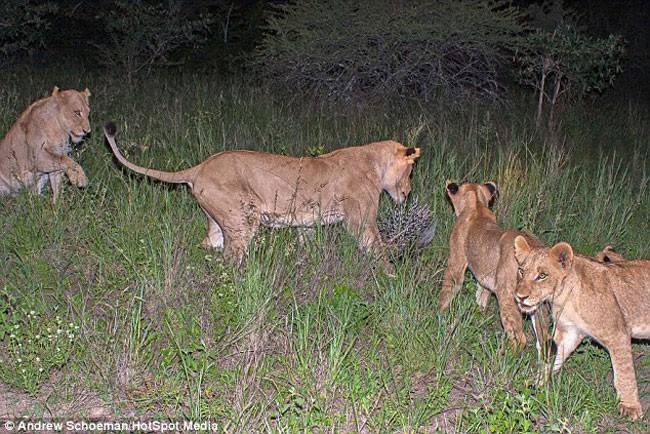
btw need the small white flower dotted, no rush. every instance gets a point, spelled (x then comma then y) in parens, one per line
(38, 359)
(40, 369)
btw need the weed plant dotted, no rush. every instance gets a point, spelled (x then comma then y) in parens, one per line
(307, 337)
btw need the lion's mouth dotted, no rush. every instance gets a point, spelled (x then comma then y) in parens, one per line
(527, 309)
(77, 137)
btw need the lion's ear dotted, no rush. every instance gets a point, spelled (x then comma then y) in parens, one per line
(562, 253)
(410, 154)
(492, 192)
(492, 187)
(55, 90)
(522, 249)
(86, 93)
(451, 187)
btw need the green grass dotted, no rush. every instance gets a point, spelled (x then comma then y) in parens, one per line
(306, 338)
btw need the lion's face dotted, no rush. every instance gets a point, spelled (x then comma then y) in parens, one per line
(396, 179)
(541, 271)
(470, 195)
(73, 111)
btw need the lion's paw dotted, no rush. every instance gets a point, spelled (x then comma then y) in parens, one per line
(79, 178)
(633, 411)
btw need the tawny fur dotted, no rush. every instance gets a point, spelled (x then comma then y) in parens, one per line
(36, 150)
(609, 302)
(241, 190)
(477, 243)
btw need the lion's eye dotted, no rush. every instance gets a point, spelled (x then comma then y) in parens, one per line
(77, 112)
(540, 276)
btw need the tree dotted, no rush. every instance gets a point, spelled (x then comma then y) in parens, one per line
(145, 34)
(374, 49)
(560, 62)
(22, 25)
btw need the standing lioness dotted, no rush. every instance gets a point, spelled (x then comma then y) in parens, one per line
(478, 243)
(37, 147)
(609, 302)
(240, 190)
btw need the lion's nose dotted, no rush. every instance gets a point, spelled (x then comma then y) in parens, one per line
(519, 298)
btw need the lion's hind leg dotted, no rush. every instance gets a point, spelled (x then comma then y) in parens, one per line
(482, 296)
(214, 239)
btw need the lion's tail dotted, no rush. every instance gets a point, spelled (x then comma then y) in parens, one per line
(186, 176)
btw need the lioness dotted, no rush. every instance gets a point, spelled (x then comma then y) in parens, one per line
(37, 147)
(608, 302)
(240, 190)
(478, 243)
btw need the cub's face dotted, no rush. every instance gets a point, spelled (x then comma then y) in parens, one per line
(541, 271)
(467, 196)
(397, 178)
(73, 112)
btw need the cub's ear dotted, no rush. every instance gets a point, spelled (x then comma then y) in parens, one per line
(609, 254)
(562, 253)
(522, 249)
(55, 90)
(411, 154)
(86, 93)
(489, 191)
(491, 187)
(451, 187)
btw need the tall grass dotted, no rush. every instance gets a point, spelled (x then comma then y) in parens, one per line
(312, 336)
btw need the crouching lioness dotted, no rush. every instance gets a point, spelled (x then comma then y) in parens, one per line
(478, 243)
(609, 302)
(36, 149)
(241, 190)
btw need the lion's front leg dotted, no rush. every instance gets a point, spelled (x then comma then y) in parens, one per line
(369, 239)
(50, 161)
(75, 173)
(511, 319)
(620, 352)
(56, 180)
(566, 341)
(544, 344)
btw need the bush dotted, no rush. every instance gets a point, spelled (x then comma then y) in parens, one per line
(386, 48)
(142, 35)
(22, 24)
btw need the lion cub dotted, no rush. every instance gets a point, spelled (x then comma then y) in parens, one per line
(609, 302)
(478, 243)
(36, 149)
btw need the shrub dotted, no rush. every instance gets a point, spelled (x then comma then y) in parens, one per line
(22, 24)
(142, 35)
(375, 49)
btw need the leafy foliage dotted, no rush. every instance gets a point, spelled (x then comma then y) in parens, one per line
(22, 24)
(388, 48)
(566, 62)
(141, 34)
(32, 346)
